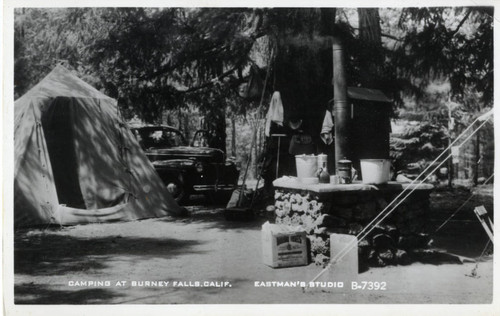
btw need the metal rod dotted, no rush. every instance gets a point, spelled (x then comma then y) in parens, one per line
(278, 158)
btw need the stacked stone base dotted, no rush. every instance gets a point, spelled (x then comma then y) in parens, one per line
(349, 212)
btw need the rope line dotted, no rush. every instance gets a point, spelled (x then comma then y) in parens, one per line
(365, 231)
(461, 206)
(485, 247)
(429, 167)
(254, 138)
(473, 273)
(361, 235)
(122, 148)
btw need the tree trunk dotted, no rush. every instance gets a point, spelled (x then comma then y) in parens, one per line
(370, 36)
(233, 136)
(257, 148)
(186, 128)
(215, 121)
(179, 120)
(477, 157)
(369, 26)
(450, 166)
(222, 131)
(169, 118)
(328, 21)
(301, 71)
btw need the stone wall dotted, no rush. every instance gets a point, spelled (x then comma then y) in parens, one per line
(348, 212)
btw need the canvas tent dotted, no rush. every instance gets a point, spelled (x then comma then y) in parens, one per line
(77, 162)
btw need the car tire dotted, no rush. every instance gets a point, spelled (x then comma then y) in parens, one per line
(218, 198)
(177, 188)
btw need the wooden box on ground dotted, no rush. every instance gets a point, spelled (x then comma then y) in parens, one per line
(344, 249)
(282, 247)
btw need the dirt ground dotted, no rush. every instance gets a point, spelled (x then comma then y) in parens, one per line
(55, 265)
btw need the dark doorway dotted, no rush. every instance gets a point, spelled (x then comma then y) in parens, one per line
(58, 128)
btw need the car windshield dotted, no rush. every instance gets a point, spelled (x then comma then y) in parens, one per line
(158, 137)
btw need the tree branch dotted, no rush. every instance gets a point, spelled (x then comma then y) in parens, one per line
(385, 35)
(461, 23)
(193, 89)
(392, 37)
(211, 82)
(212, 50)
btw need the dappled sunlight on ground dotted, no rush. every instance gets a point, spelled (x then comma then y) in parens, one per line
(207, 248)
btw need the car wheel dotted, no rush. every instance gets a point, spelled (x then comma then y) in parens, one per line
(219, 198)
(176, 187)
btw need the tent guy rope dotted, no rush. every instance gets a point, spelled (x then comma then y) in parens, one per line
(385, 212)
(461, 206)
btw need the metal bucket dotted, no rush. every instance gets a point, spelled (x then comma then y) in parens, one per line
(375, 171)
(307, 166)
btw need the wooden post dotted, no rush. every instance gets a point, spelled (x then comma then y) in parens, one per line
(481, 214)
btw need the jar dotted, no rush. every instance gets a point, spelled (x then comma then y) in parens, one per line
(344, 167)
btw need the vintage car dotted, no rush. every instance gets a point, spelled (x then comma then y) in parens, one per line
(191, 169)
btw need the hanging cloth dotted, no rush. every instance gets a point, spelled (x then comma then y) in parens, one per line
(301, 144)
(327, 128)
(275, 112)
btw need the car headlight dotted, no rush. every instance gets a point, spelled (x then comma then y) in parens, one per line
(199, 167)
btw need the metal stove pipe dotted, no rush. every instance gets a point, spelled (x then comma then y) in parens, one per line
(341, 108)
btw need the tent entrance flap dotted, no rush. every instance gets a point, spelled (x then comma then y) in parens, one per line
(58, 129)
(71, 215)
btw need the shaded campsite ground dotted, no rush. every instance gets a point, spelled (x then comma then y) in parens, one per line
(206, 248)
